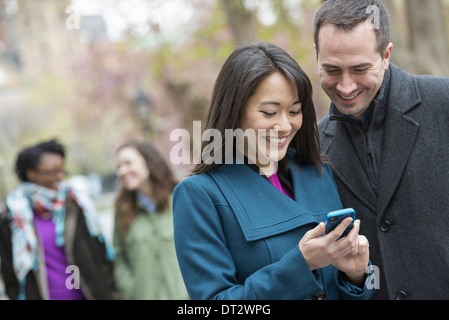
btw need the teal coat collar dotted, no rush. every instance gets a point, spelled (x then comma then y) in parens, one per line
(262, 210)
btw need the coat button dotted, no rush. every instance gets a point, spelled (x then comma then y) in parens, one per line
(385, 226)
(320, 295)
(401, 295)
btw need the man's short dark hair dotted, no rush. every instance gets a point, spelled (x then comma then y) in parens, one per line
(346, 14)
(30, 157)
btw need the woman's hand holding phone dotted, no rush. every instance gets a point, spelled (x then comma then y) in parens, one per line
(354, 264)
(349, 254)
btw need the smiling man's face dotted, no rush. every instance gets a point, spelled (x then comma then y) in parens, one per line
(350, 67)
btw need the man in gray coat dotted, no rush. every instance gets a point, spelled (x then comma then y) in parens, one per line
(387, 140)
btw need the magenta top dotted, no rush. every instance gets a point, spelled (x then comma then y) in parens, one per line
(274, 179)
(55, 262)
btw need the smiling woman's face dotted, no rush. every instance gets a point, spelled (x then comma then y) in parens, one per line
(49, 172)
(276, 109)
(132, 169)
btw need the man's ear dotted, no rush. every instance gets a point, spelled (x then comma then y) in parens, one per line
(387, 55)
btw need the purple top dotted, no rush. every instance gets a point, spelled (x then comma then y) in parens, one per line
(274, 179)
(55, 262)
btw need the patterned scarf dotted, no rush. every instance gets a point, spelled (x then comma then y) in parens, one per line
(28, 197)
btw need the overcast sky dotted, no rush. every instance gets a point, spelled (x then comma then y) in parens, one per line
(118, 14)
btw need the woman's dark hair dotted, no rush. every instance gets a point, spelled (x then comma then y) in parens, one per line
(347, 14)
(30, 157)
(238, 80)
(161, 178)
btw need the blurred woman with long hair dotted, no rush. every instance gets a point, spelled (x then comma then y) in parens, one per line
(146, 266)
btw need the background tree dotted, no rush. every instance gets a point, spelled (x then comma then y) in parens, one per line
(420, 35)
(81, 86)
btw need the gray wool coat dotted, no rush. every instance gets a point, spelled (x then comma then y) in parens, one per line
(406, 219)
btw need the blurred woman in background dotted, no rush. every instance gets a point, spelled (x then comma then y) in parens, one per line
(146, 266)
(51, 241)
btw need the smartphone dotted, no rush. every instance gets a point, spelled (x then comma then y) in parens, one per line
(334, 218)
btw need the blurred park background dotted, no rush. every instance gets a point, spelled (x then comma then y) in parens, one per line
(94, 73)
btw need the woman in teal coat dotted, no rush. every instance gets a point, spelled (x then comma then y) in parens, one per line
(249, 221)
